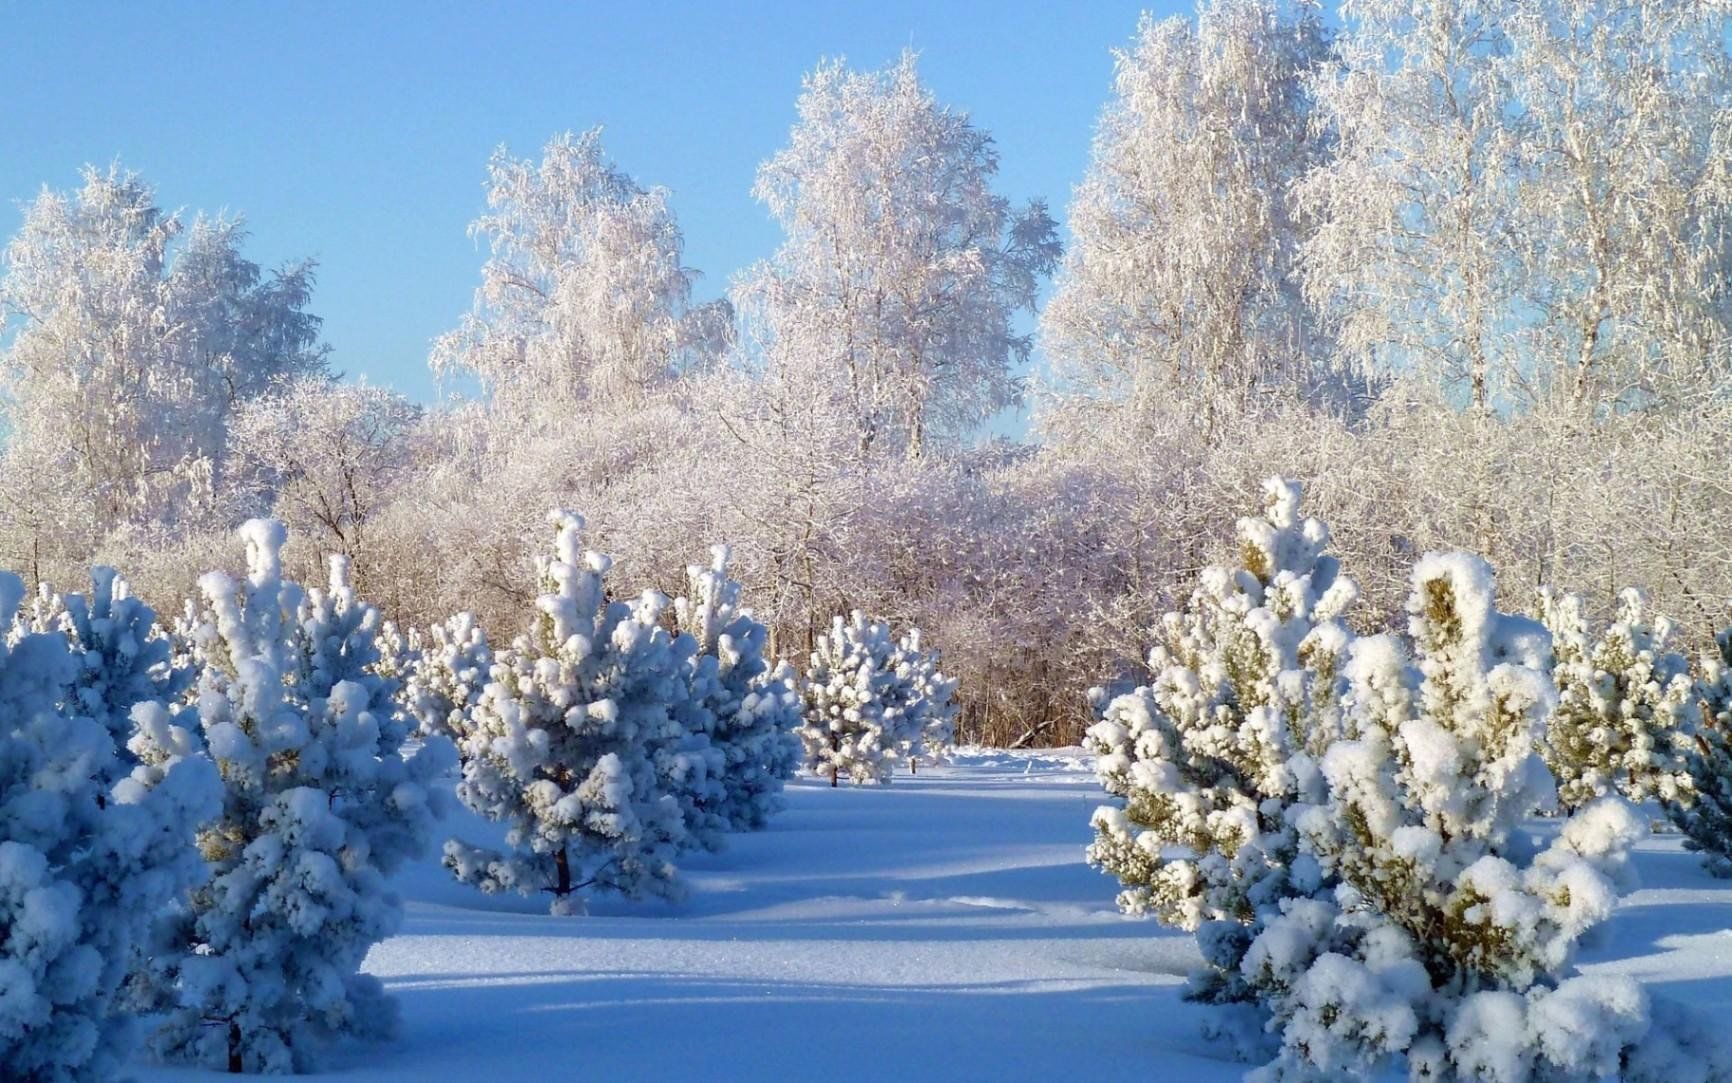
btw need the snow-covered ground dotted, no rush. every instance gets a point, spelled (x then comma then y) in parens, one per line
(944, 927)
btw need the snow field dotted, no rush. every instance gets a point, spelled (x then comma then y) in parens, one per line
(943, 927)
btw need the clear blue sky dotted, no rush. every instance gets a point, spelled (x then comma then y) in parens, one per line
(357, 133)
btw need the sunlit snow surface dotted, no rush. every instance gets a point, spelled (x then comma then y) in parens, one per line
(943, 927)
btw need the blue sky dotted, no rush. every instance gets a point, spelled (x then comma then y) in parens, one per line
(357, 133)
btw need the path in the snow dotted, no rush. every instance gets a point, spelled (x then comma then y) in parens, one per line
(944, 927)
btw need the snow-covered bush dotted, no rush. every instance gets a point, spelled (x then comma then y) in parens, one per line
(570, 743)
(1210, 757)
(924, 700)
(1705, 814)
(447, 670)
(90, 850)
(750, 709)
(851, 726)
(320, 804)
(1448, 937)
(1626, 704)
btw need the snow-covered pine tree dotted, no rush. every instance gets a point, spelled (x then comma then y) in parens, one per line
(1705, 814)
(753, 710)
(89, 852)
(124, 657)
(1448, 938)
(849, 727)
(1210, 757)
(563, 746)
(1626, 704)
(449, 668)
(925, 698)
(320, 804)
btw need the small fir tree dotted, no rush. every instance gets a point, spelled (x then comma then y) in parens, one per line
(320, 804)
(569, 744)
(1447, 939)
(926, 698)
(1704, 814)
(1626, 704)
(124, 657)
(850, 727)
(1211, 756)
(752, 711)
(92, 844)
(447, 672)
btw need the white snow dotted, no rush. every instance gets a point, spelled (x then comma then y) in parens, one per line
(945, 927)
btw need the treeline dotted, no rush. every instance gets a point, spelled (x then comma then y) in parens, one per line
(1463, 268)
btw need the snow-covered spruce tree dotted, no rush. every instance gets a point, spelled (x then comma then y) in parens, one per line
(446, 673)
(89, 851)
(1705, 815)
(124, 657)
(1626, 704)
(849, 727)
(1211, 755)
(752, 710)
(925, 699)
(319, 805)
(568, 744)
(1447, 938)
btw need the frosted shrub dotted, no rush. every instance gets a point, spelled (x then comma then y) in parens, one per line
(750, 710)
(90, 847)
(1626, 704)
(1448, 938)
(1210, 757)
(570, 743)
(319, 805)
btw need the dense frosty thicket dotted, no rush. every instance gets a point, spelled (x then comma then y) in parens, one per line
(320, 804)
(94, 842)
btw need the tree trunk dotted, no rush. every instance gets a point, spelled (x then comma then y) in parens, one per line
(234, 1048)
(913, 767)
(562, 865)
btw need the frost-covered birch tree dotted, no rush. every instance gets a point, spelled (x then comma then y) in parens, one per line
(133, 338)
(1410, 260)
(901, 270)
(1178, 294)
(583, 296)
(1623, 200)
